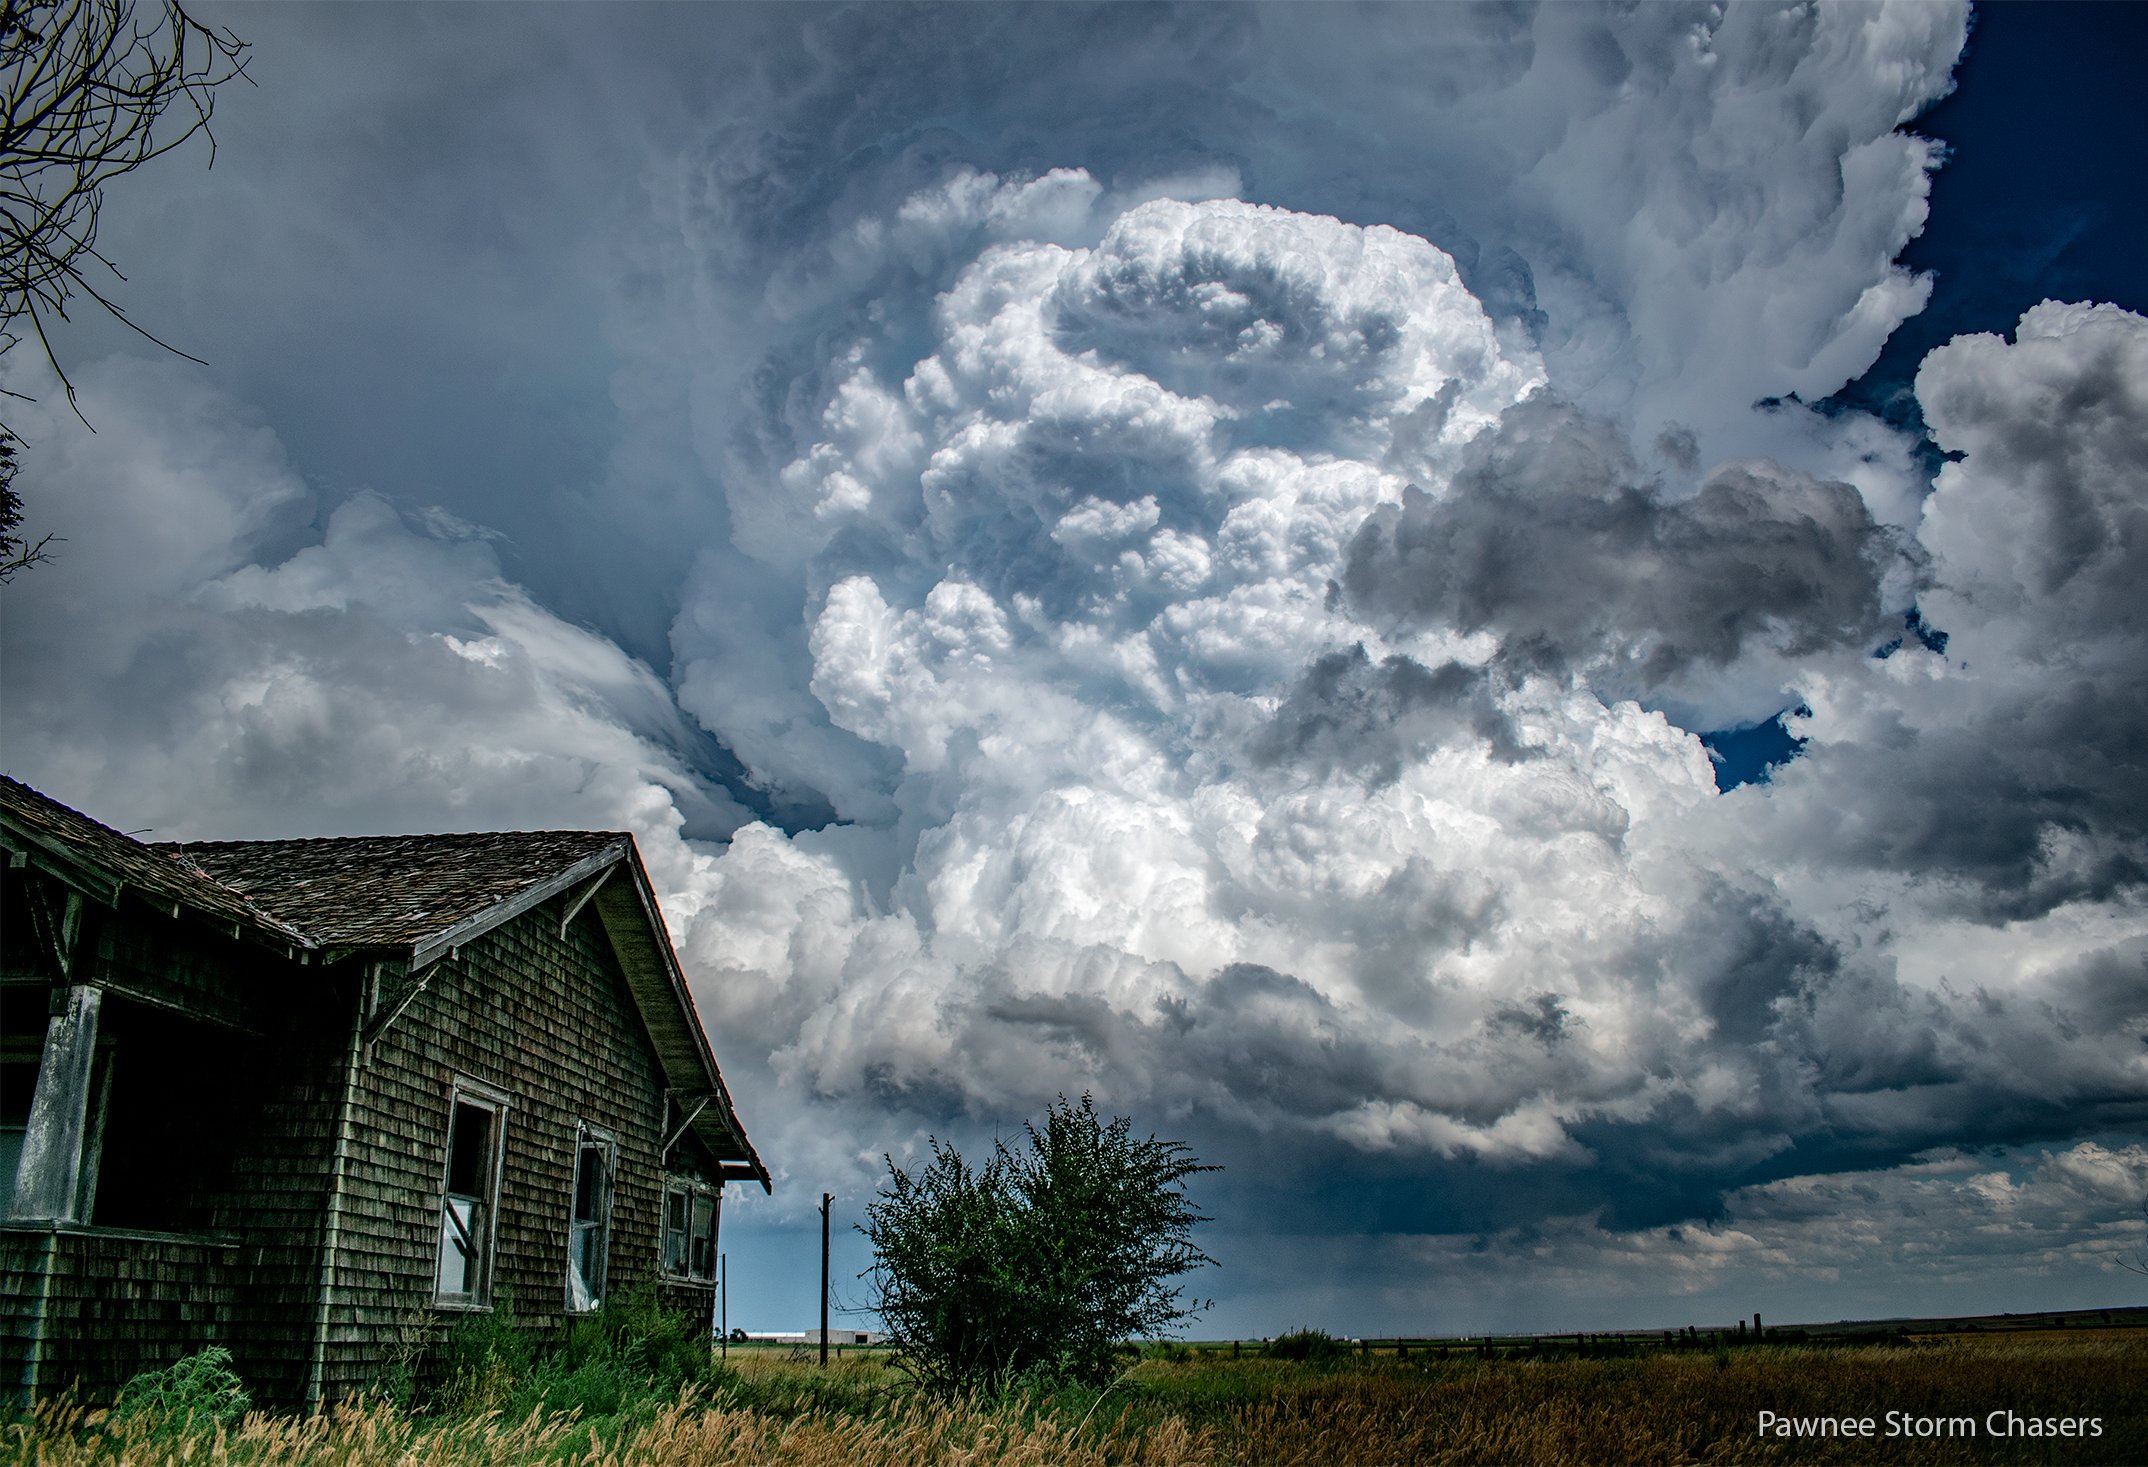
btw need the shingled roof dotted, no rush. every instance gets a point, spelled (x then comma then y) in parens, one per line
(418, 895)
(397, 890)
(94, 856)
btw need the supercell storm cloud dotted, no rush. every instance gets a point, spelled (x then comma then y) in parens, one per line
(1200, 574)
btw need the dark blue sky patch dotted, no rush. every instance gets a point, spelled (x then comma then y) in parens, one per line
(2027, 207)
(1752, 754)
(1927, 636)
(1933, 639)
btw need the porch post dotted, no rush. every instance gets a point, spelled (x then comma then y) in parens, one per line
(48, 1180)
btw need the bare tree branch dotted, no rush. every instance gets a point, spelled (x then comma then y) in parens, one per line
(16, 553)
(2139, 1263)
(86, 87)
(89, 84)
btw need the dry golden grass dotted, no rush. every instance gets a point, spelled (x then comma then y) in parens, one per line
(1682, 1408)
(914, 1433)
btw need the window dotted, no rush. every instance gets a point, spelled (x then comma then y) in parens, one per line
(691, 1210)
(18, 1083)
(589, 1227)
(470, 1194)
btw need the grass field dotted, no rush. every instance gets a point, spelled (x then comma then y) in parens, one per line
(1203, 1406)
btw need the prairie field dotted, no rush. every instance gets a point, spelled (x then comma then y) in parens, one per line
(1202, 1405)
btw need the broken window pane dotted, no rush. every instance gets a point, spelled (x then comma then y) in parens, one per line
(587, 1229)
(467, 1151)
(459, 1259)
(466, 1206)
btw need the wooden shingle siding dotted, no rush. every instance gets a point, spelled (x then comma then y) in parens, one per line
(23, 1254)
(90, 1310)
(183, 965)
(549, 1022)
(280, 1204)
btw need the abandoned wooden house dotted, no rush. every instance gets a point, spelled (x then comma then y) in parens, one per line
(313, 1100)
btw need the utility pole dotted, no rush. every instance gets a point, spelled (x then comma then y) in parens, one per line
(723, 1297)
(825, 1199)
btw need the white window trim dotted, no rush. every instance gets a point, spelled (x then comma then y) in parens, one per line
(588, 1135)
(692, 1187)
(468, 1090)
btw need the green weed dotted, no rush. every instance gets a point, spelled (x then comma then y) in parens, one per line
(196, 1391)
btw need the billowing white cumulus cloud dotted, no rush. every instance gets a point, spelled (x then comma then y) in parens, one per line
(1208, 572)
(1685, 208)
(1669, 176)
(205, 664)
(1261, 666)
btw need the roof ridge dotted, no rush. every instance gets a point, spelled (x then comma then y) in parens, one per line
(41, 797)
(327, 840)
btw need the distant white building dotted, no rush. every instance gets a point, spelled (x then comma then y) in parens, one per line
(808, 1337)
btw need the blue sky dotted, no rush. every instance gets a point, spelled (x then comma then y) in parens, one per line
(1188, 552)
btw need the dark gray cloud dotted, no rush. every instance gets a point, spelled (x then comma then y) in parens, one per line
(1348, 713)
(2022, 1228)
(384, 678)
(1551, 538)
(2032, 805)
(1809, 1060)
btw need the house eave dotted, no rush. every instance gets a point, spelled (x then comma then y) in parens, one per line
(427, 951)
(667, 1007)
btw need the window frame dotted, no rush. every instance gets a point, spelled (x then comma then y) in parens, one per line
(588, 1137)
(23, 1053)
(692, 1189)
(464, 1090)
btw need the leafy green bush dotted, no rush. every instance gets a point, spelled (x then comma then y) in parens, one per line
(200, 1389)
(1033, 1267)
(1315, 1346)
